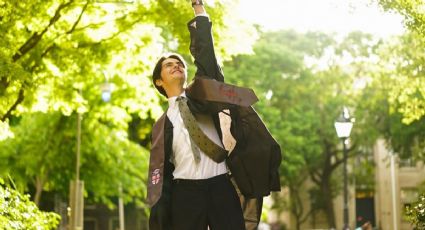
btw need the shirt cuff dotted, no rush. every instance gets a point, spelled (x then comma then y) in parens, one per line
(202, 14)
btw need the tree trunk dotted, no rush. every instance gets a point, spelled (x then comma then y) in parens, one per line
(328, 201)
(39, 183)
(297, 206)
(298, 215)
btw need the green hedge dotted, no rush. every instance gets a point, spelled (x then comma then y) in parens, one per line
(17, 212)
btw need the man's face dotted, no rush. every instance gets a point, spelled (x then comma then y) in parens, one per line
(173, 74)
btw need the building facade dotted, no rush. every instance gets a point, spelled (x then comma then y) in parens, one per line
(397, 183)
(396, 186)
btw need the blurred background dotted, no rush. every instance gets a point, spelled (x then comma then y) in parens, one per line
(77, 106)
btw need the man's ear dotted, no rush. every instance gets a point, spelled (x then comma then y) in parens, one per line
(158, 82)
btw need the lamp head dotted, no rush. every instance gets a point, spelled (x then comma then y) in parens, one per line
(344, 124)
(106, 91)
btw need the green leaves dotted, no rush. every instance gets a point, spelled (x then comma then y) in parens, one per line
(413, 12)
(416, 213)
(18, 212)
(395, 97)
(407, 78)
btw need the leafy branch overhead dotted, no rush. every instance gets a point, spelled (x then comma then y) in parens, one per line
(73, 40)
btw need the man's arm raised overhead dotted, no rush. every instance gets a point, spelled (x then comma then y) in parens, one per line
(202, 44)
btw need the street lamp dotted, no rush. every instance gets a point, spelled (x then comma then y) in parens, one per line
(106, 92)
(343, 126)
(106, 89)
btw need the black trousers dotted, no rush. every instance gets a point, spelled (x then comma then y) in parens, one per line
(199, 204)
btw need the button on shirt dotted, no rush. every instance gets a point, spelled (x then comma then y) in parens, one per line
(184, 162)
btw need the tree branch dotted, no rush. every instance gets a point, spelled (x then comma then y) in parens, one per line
(68, 32)
(4, 83)
(315, 176)
(79, 18)
(37, 63)
(307, 215)
(350, 154)
(13, 107)
(31, 43)
(36, 37)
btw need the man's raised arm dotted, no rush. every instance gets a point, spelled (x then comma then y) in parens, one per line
(202, 44)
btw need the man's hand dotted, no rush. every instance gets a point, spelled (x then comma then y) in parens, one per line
(198, 7)
(197, 2)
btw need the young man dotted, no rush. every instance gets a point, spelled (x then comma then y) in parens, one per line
(189, 185)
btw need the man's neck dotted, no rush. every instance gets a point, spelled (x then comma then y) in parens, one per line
(175, 93)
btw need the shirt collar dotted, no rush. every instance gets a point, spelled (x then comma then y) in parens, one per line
(172, 100)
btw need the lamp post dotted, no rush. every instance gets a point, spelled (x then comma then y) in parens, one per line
(77, 186)
(343, 126)
(106, 97)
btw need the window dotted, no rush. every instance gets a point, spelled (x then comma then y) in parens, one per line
(90, 224)
(409, 195)
(114, 223)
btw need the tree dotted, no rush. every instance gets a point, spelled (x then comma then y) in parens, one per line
(405, 61)
(393, 98)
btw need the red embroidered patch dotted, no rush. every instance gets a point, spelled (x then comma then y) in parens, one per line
(228, 91)
(156, 175)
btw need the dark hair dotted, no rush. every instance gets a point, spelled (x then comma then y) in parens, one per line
(158, 67)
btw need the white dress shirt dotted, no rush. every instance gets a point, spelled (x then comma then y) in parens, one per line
(183, 159)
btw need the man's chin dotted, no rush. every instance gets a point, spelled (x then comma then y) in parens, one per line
(179, 76)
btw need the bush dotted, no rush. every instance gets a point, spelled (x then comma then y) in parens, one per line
(18, 212)
(416, 213)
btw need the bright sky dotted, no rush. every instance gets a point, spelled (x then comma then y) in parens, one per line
(341, 16)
